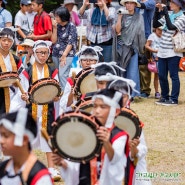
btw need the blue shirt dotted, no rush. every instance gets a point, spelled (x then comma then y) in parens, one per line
(5, 17)
(148, 16)
(66, 35)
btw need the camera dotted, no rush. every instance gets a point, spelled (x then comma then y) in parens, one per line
(122, 11)
(92, 1)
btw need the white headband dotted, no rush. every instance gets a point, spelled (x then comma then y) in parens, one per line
(38, 44)
(130, 84)
(18, 128)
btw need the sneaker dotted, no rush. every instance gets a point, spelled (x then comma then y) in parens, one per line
(169, 103)
(157, 95)
(144, 95)
(55, 175)
(161, 101)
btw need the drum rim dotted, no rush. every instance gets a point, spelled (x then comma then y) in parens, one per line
(7, 76)
(78, 80)
(127, 113)
(67, 116)
(33, 88)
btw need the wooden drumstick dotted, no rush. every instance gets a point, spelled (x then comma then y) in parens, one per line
(46, 137)
(21, 89)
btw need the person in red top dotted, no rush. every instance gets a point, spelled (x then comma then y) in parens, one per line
(42, 25)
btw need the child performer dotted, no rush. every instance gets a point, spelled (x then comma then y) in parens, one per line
(87, 56)
(44, 114)
(18, 130)
(138, 148)
(108, 169)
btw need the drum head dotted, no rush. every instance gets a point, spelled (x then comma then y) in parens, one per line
(7, 82)
(75, 139)
(85, 82)
(129, 122)
(44, 91)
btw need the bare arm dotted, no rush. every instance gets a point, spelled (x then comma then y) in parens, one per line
(54, 33)
(118, 24)
(82, 9)
(148, 46)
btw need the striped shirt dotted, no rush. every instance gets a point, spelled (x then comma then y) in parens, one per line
(101, 33)
(166, 46)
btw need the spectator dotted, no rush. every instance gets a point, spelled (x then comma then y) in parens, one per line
(5, 15)
(42, 25)
(30, 14)
(64, 38)
(152, 45)
(21, 22)
(69, 4)
(148, 8)
(99, 25)
(168, 59)
(131, 27)
(28, 58)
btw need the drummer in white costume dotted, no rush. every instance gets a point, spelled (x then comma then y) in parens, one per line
(10, 97)
(44, 114)
(87, 56)
(106, 106)
(138, 148)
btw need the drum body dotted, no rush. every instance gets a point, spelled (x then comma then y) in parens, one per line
(43, 91)
(85, 82)
(74, 136)
(128, 121)
(8, 78)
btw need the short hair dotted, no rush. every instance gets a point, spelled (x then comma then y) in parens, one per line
(121, 86)
(103, 70)
(63, 13)
(39, 1)
(7, 32)
(88, 51)
(30, 122)
(110, 93)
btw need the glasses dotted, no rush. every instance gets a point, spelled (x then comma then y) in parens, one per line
(42, 52)
(89, 60)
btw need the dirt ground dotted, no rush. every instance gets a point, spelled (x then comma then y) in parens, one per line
(164, 132)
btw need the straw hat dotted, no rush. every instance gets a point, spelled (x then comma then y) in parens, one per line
(122, 2)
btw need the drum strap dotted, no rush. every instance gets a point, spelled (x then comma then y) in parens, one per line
(93, 167)
(6, 89)
(34, 106)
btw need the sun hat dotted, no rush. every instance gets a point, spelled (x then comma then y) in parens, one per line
(27, 42)
(122, 2)
(181, 3)
(68, 2)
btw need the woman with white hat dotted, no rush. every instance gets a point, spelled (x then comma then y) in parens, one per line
(168, 59)
(70, 5)
(131, 27)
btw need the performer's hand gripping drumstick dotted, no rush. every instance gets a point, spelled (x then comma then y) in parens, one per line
(22, 91)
